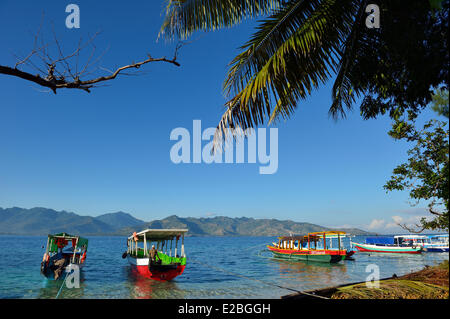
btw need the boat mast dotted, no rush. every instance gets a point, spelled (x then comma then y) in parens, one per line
(46, 249)
(75, 250)
(145, 244)
(182, 246)
(176, 245)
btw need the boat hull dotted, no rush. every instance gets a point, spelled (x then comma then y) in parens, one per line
(436, 249)
(49, 274)
(328, 256)
(388, 249)
(139, 266)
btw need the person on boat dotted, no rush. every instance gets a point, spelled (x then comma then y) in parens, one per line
(59, 266)
(59, 263)
(153, 254)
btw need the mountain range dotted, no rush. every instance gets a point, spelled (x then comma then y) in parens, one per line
(43, 221)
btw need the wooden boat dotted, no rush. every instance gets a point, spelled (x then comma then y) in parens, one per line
(160, 243)
(312, 247)
(63, 250)
(396, 245)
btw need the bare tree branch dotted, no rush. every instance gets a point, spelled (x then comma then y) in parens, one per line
(58, 73)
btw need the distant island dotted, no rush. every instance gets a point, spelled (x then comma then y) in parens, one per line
(43, 221)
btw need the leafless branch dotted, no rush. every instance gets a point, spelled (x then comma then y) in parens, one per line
(62, 72)
(418, 230)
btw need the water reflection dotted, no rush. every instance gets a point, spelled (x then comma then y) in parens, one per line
(145, 288)
(247, 270)
(52, 287)
(307, 274)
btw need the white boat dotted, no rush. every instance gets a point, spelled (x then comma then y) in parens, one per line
(401, 244)
(410, 240)
(437, 243)
(165, 264)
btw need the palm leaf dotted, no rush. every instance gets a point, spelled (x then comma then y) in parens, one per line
(183, 17)
(345, 89)
(293, 51)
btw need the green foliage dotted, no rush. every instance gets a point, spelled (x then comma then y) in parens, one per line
(426, 174)
(396, 67)
(184, 17)
(440, 102)
(301, 44)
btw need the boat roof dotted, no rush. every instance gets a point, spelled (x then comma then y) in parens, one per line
(64, 235)
(410, 236)
(439, 235)
(79, 241)
(328, 234)
(159, 234)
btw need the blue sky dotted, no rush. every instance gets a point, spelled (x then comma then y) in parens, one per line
(109, 150)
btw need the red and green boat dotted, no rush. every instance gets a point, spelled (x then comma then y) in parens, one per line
(63, 251)
(317, 247)
(154, 254)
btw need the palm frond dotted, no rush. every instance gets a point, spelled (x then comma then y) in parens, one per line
(294, 50)
(183, 17)
(345, 90)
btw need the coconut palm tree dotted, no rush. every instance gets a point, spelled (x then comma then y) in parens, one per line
(298, 45)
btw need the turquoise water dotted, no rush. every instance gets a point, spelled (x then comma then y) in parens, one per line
(217, 267)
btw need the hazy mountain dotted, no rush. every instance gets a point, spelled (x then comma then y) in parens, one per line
(42, 221)
(226, 226)
(119, 220)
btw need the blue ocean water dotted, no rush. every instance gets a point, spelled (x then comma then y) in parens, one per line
(217, 267)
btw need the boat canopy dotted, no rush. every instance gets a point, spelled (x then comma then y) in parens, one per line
(438, 236)
(380, 240)
(61, 240)
(314, 235)
(410, 236)
(158, 234)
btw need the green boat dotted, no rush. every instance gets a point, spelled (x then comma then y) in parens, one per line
(312, 247)
(63, 250)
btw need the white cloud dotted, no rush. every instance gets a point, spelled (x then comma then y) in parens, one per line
(376, 224)
(393, 224)
(397, 220)
(210, 214)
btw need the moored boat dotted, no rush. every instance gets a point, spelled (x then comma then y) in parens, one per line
(390, 245)
(388, 249)
(62, 251)
(437, 243)
(316, 246)
(153, 253)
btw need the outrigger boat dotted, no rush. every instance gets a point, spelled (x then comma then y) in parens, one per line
(404, 244)
(163, 266)
(56, 259)
(312, 247)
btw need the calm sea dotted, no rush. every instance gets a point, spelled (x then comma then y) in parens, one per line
(217, 267)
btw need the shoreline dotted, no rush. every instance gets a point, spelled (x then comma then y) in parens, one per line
(431, 282)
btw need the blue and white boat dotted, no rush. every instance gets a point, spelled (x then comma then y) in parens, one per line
(436, 243)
